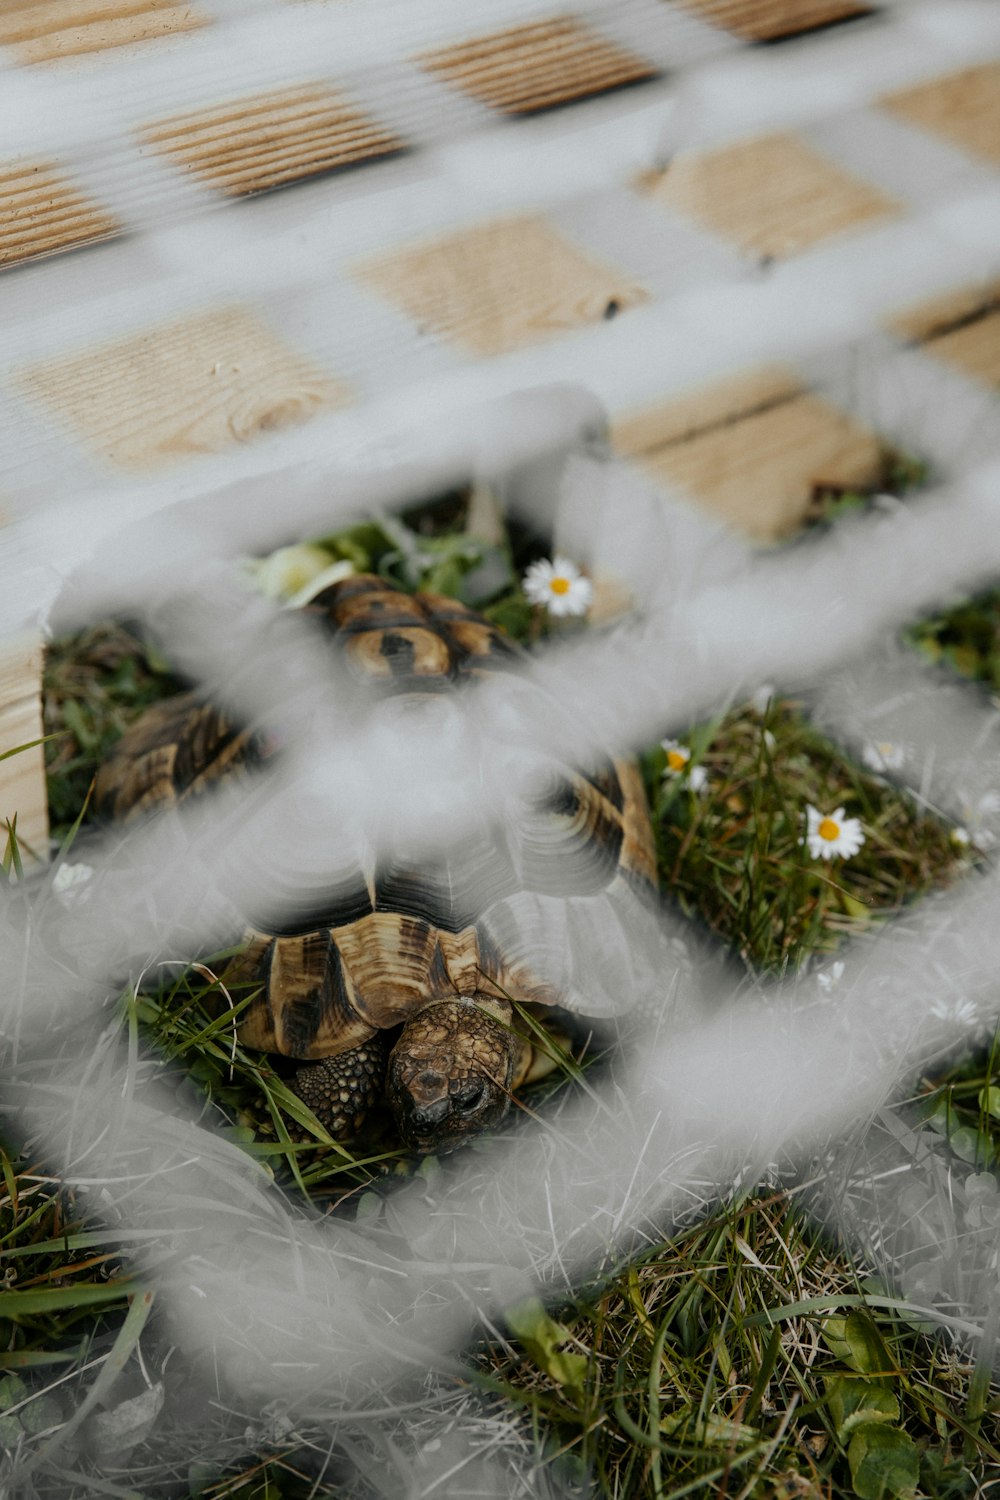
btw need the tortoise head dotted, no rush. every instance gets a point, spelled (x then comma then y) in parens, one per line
(450, 1072)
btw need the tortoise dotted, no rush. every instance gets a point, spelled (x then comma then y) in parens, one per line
(398, 990)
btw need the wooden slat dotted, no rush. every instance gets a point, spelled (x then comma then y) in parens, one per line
(963, 107)
(537, 66)
(42, 31)
(773, 195)
(943, 314)
(269, 139)
(198, 385)
(22, 776)
(709, 407)
(962, 327)
(973, 347)
(771, 20)
(753, 450)
(41, 212)
(499, 286)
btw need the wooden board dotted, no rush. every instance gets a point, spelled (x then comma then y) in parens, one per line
(753, 450)
(773, 195)
(197, 385)
(41, 212)
(938, 315)
(270, 139)
(963, 107)
(537, 66)
(962, 328)
(43, 31)
(772, 20)
(499, 286)
(22, 776)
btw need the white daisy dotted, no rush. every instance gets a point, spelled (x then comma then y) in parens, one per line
(679, 764)
(885, 755)
(960, 1012)
(677, 755)
(559, 585)
(830, 834)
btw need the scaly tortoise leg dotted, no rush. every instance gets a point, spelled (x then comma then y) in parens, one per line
(341, 1090)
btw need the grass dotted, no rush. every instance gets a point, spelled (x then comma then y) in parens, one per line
(731, 852)
(753, 1355)
(965, 636)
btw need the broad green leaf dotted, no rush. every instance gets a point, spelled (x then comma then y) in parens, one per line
(118, 1430)
(968, 1145)
(989, 1099)
(541, 1337)
(12, 1390)
(865, 1346)
(853, 1402)
(885, 1463)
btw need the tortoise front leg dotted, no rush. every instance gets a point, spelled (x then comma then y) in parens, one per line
(341, 1090)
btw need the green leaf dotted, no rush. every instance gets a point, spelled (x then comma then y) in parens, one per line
(865, 1349)
(968, 1145)
(855, 908)
(884, 1462)
(853, 1402)
(541, 1337)
(989, 1099)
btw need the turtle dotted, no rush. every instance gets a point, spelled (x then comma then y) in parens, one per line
(398, 989)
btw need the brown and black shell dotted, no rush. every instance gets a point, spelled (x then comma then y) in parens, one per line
(403, 935)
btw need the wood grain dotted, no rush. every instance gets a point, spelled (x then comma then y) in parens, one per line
(962, 327)
(499, 286)
(537, 66)
(41, 213)
(270, 139)
(963, 107)
(753, 450)
(771, 20)
(43, 31)
(198, 385)
(972, 347)
(22, 776)
(944, 313)
(773, 195)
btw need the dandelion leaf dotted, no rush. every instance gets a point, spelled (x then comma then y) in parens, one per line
(885, 1463)
(541, 1338)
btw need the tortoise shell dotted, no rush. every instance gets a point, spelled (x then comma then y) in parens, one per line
(403, 936)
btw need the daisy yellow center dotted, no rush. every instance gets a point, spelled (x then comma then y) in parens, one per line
(676, 760)
(828, 829)
(559, 585)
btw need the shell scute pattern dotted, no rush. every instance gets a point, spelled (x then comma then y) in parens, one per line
(405, 942)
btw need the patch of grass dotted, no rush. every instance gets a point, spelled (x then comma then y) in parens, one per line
(731, 852)
(743, 1360)
(749, 1356)
(902, 473)
(966, 637)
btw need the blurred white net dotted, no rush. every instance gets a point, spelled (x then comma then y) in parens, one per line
(287, 303)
